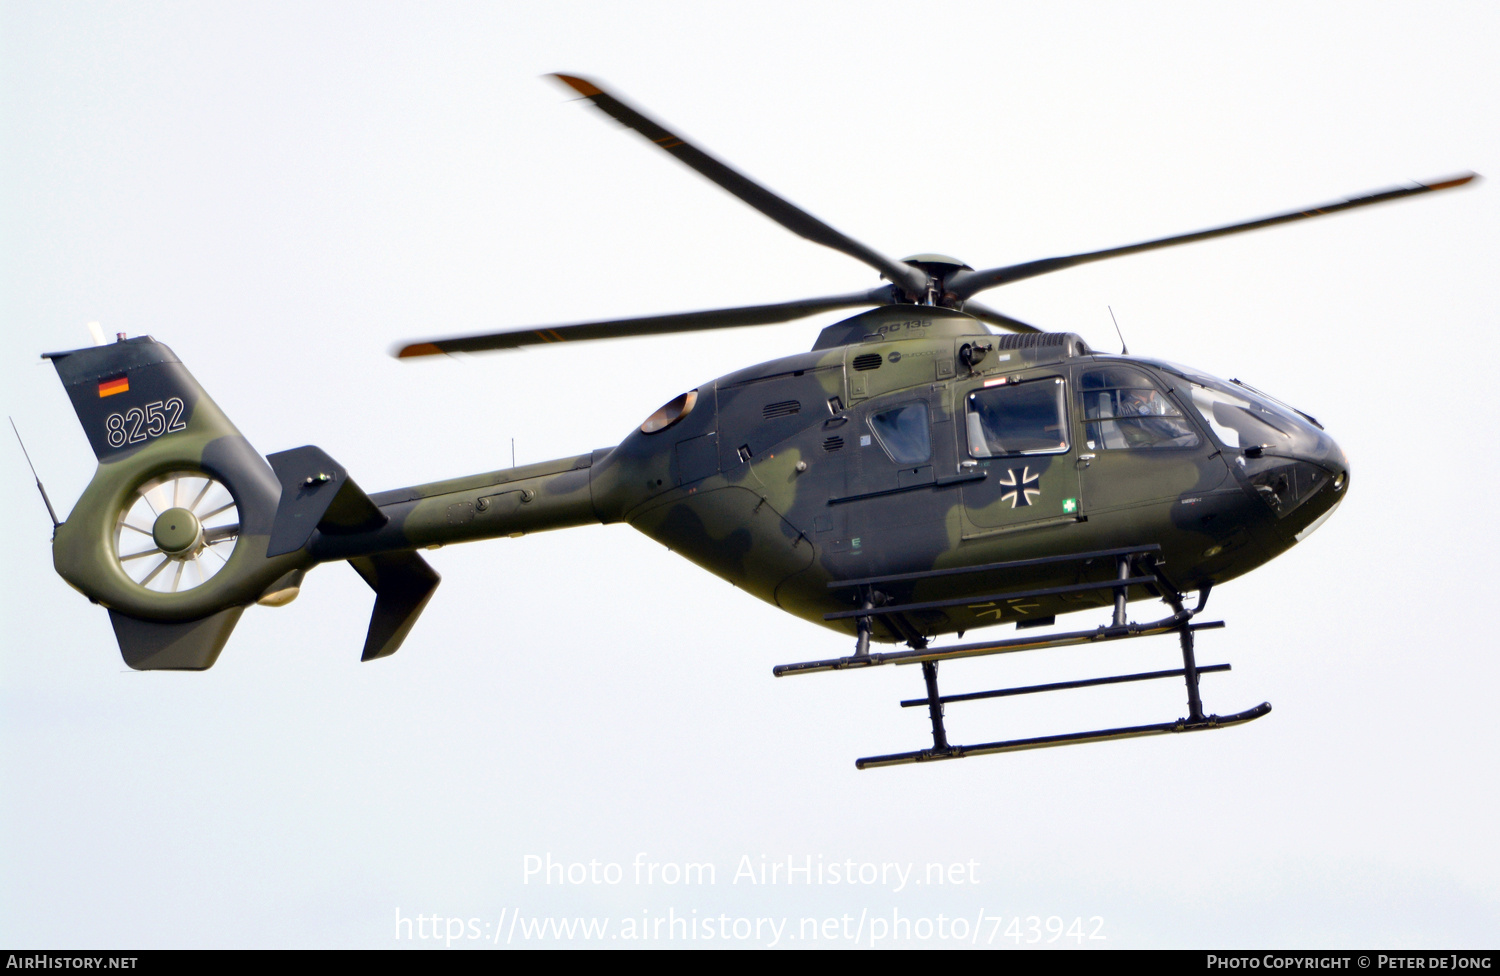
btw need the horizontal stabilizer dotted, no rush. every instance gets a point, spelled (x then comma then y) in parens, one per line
(403, 583)
(193, 645)
(317, 493)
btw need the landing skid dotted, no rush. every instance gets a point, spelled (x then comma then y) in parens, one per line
(1066, 739)
(1128, 562)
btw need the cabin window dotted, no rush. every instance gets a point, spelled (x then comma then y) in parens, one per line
(1124, 410)
(904, 432)
(1018, 418)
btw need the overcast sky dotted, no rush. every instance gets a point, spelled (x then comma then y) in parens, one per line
(280, 192)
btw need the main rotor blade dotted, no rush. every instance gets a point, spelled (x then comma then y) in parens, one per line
(722, 318)
(986, 314)
(912, 280)
(966, 283)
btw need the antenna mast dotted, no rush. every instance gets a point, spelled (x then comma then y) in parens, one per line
(45, 500)
(1123, 350)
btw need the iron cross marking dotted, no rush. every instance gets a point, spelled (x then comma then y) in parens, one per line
(1019, 494)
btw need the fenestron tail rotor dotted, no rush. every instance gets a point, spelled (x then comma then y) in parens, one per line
(177, 531)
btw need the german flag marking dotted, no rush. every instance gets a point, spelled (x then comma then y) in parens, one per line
(120, 384)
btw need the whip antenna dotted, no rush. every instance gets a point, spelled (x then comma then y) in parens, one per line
(1123, 351)
(45, 500)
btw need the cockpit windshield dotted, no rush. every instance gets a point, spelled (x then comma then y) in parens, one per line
(1243, 417)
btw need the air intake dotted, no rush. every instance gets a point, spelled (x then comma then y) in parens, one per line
(1069, 343)
(784, 408)
(867, 360)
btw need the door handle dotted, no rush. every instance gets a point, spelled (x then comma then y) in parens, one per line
(1084, 459)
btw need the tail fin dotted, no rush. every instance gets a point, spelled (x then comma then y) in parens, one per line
(184, 524)
(171, 533)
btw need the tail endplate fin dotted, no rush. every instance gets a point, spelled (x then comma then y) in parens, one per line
(403, 583)
(193, 645)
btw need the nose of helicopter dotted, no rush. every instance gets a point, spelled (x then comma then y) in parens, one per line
(1302, 486)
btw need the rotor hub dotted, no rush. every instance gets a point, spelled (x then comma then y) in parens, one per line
(937, 265)
(178, 533)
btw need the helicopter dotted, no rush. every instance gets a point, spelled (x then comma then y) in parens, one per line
(915, 475)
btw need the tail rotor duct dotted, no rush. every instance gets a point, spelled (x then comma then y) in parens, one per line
(177, 531)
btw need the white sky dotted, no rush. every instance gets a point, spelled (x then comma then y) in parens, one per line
(279, 192)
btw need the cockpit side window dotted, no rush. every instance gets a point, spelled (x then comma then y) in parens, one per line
(1124, 410)
(904, 432)
(1017, 418)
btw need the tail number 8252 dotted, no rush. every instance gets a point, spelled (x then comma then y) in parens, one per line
(138, 424)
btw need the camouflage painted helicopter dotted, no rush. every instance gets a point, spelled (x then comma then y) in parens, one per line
(914, 475)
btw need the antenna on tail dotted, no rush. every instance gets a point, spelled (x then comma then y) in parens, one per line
(45, 500)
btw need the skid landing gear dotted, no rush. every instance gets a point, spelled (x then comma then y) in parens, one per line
(1180, 622)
